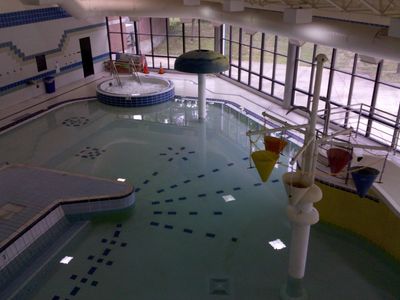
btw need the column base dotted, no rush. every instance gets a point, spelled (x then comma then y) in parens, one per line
(293, 290)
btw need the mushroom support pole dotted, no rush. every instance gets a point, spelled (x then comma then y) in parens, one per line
(303, 214)
(202, 96)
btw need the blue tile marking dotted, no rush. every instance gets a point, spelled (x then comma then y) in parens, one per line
(154, 223)
(169, 200)
(184, 158)
(188, 230)
(217, 212)
(172, 212)
(168, 226)
(106, 251)
(24, 17)
(160, 191)
(74, 291)
(100, 260)
(113, 242)
(73, 276)
(210, 235)
(201, 195)
(94, 283)
(104, 240)
(275, 180)
(84, 280)
(137, 190)
(219, 192)
(119, 225)
(258, 184)
(124, 244)
(230, 164)
(215, 170)
(171, 159)
(237, 188)
(201, 176)
(245, 158)
(155, 173)
(170, 148)
(182, 198)
(56, 298)
(163, 154)
(146, 181)
(90, 257)
(157, 212)
(176, 153)
(109, 263)
(117, 233)
(193, 213)
(155, 202)
(173, 186)
(234, 239)
(182, 148)
(187, 181)
(192, 152)
(92, 270)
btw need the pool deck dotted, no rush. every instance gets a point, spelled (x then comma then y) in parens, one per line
(33, 199)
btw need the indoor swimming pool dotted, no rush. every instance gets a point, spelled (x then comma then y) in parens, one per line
(202, 221)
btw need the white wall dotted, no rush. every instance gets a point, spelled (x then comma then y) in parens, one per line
(60, 36)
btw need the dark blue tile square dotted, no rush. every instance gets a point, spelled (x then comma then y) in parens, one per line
(84, 280)
(94, 283)
(73, 276)
(92, 270)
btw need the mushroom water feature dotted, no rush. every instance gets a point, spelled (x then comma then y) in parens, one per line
(202, 62)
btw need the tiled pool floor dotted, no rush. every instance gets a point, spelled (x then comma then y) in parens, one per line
(183, 240)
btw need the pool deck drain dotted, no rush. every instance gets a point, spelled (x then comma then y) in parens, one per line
(34, 199)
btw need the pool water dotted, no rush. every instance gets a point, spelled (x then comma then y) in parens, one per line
(182, 240)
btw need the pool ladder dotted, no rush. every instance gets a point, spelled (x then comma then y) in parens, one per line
(114, 73)
(135, 73)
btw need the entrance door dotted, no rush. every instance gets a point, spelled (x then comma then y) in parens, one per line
(86, 54)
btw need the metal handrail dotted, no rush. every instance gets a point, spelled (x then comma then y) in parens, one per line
(114, 73)
(135, 73)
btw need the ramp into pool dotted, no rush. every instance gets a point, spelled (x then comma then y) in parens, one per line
(35, 199)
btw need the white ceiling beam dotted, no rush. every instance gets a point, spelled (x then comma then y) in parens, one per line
(370, 7)
(335, 5)
(191, 2)
(233, 5)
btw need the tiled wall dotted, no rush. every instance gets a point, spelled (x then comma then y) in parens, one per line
(49, 31)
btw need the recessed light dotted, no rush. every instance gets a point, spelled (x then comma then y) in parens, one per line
(66, 260)
(277, 244)
(137, 117)
(228, 198)
(121, 179)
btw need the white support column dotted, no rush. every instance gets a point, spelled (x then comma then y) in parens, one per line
(301, 212)
(291, 61)
(202, 96)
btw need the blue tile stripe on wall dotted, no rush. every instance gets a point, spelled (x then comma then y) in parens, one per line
(61, 43)
(32, 16)
(64, 69)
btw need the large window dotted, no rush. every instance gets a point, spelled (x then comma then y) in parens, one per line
(370, 87)
(256, 59)
(162, 40)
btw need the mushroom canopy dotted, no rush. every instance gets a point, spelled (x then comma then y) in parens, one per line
(202, 62)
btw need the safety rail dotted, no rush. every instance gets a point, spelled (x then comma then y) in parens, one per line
(374, 123)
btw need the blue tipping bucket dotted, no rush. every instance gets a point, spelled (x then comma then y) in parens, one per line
(49, 84)
(363, 178)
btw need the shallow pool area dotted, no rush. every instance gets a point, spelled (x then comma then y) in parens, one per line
(202, 221)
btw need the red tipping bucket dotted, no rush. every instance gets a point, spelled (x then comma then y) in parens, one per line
(273, 144)
(338, 159)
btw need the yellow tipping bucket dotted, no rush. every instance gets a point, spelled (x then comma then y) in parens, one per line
(274, 144)
(265, 162)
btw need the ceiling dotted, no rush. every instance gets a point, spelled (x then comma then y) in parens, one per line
(369, 11)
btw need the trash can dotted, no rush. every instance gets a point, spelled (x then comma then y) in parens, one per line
(49, 84)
